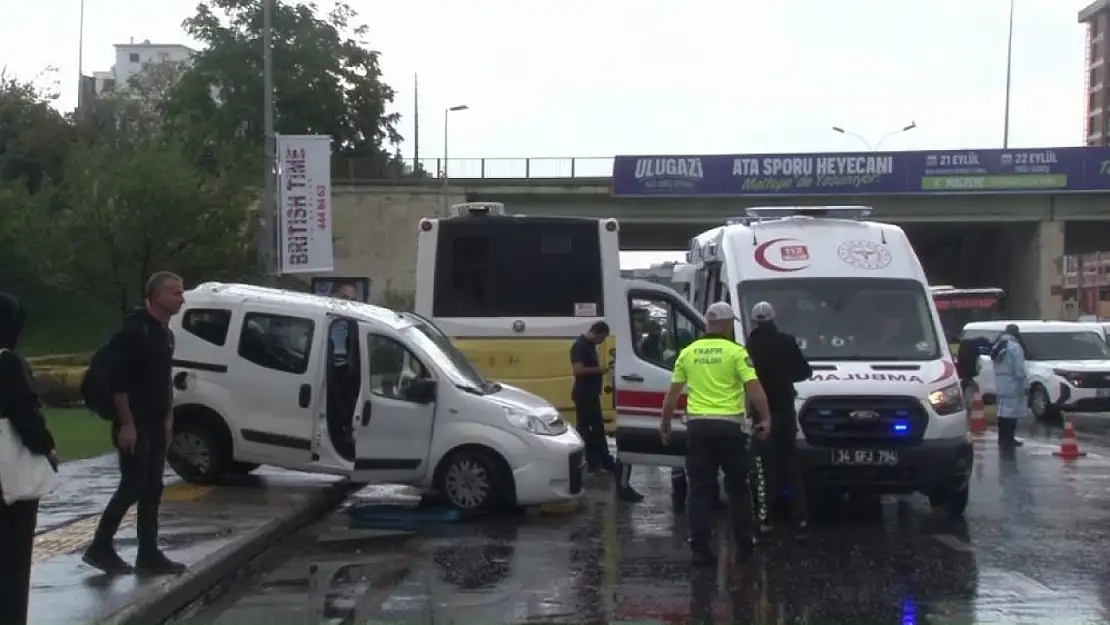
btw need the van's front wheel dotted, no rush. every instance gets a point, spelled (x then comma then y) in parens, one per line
(471, 480)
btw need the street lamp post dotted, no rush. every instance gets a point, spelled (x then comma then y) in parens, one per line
(878, 143)
(1009, 66)
(446, 117)
(268, 235)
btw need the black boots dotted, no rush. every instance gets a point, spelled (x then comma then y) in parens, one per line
(103, 556)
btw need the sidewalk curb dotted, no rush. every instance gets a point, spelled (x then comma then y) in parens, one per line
(163, 602)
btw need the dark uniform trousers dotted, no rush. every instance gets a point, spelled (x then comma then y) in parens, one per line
(140, 483)
(590, 423)
(715, 445)
(775, 469)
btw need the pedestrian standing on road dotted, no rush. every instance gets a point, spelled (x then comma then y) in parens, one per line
(967, 366)
(589, 418)
(780, 364)
(720, 381)
(1008, 358)
(139, 380)
(20, 406)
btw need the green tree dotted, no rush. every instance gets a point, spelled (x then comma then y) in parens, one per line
(326, 79)
(139, 207)
(34, 137)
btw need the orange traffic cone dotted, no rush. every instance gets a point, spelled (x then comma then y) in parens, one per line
(1069, 446)
(978, 415)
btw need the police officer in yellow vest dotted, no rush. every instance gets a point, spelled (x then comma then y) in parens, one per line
(720, 382)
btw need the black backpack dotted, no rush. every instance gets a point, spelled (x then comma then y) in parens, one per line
(94, 386)
(95, 390)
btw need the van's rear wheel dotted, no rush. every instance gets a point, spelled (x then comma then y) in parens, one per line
(471, 480)
(197, 453)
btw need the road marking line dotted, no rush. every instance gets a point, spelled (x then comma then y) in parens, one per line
(75, 536)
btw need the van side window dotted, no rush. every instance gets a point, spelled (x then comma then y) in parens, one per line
(486, 267)
(660, 328)
(207, 324)
(392, 366)
(277, 342)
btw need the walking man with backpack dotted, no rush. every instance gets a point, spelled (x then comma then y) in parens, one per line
(128, 382)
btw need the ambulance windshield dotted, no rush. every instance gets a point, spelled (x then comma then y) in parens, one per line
(880, 319)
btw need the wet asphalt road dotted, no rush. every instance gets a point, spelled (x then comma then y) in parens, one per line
(1033, 549)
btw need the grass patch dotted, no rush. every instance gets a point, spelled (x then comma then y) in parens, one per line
(78, 433)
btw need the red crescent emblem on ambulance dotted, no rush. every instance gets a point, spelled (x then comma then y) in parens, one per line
(948, 371)
(791, 251)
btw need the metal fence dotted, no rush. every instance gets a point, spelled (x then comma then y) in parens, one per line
(352, 170)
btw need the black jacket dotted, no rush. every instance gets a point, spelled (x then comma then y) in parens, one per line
(142, 363)
(779, 363)
(967, 358)
(18, 401)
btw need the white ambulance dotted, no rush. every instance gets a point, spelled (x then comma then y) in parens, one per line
(317, 384)
(883, 411)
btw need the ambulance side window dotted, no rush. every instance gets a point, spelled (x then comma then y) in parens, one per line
(710, 288)
(660, 328)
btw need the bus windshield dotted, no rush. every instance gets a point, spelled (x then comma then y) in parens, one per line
(959, 307)
(850, 318)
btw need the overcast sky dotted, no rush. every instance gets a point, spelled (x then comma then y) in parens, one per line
(604, 77)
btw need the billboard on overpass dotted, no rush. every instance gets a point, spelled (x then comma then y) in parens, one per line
(1045, 170)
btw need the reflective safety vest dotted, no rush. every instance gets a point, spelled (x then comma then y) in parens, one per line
(714, 370)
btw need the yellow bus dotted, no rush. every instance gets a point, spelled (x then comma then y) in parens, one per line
(513, 292)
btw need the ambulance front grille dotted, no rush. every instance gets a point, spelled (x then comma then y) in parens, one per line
(863, 420)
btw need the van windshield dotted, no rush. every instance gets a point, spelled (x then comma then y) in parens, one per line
(850, 318)
(436, 345)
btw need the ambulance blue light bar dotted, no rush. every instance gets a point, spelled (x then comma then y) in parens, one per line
(835, 212)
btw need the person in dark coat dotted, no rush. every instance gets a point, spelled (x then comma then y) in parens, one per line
(780, 364)
(20, 406)
(967, 364)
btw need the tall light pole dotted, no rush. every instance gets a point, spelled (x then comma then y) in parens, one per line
(446, 117)
(81, 62)
(878, 143)
(267, 244)
(1009, 68)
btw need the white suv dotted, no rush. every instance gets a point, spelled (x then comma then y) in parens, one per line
(1067, 364)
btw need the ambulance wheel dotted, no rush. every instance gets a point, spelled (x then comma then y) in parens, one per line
(475, 480)
(950, 504)
(197, 454)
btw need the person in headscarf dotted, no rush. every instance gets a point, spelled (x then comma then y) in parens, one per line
(20, 406)
(1008, 358)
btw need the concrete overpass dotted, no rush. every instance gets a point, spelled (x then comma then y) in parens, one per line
(377, 217)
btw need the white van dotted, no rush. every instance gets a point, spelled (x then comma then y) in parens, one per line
(265, 376)
(883, 411)
(1067, 364)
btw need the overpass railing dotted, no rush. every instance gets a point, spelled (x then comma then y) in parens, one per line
(356, 170)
